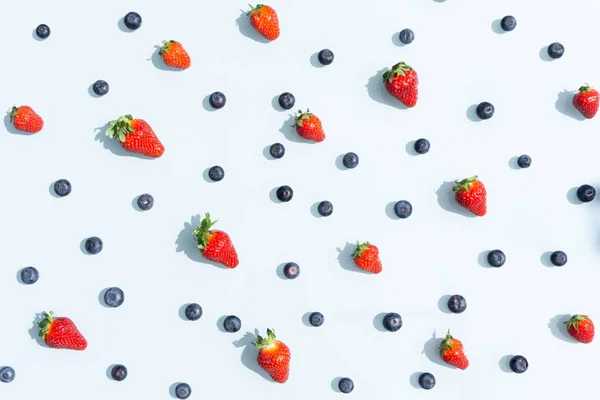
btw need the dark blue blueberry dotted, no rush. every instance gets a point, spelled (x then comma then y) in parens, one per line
(524, 161)
(217, 100)
(119, 372)
(62, 187)
(193, 311)
(286, 100)
(7, 374)
(29, 275)
(42, 31)
(114, 297)
(518, 364)
(403, 209)
(586, 193)
(325, 208)
(457, 304)
(426, 380)
(508, 23)
(285, 193)
(558, 258)
(132, 20)
(556, 50)
(316, 319)
(346, 385)
(485, 110)
(422, 146)
(350, 160)
(291, 270)
(232, 324)
(325, 56)
(216, 173)
(277, 150)
(183, 391)
(93, 245)
(392, 322)
(100, 87)
(145, 201)
(496, 258)
(407, 36)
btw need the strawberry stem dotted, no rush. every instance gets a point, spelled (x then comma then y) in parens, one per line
(203, 232)
(261, 342)
(465, 184)
(165, 47)
(13, 113)
(120, 127)
(45, 323)
(447, 342)
(396, 70)
(585, 88)
(575, 320)
(301, 117)
(360, 247)
(254, 9)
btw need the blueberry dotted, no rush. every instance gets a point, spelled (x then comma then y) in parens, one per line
(350, 160)
(145, 201)
(407, 36)
(558, 258)
(183, 391)
(216, 173)
(132, 20)
(422, 146)
(93, 245)
(217, 100)
(285, 193)
(457, 304)
(100, 87)
(29, 275)
(316, 319)
(524, 161)
(496, 258)
(403, 209)
(42, 31)
(556, 50)
(426, 380)
(325, 208)
(586, 193)
(518, 364)
(119, 372)
(286, 100)
(62, 187)
(392, 322)
(193, 311)
(7, 374)
(325, 56)
(291, 270)
(346, 385)
(232, 324)
(485, 110)
(277, 150)
(508, 23)
(114, 297)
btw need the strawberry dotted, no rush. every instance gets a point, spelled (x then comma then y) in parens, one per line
(264, 19)
(308, 126)
(136, 136)
(366, 257)
(586, 101)
(60, 333)
(581, 328)
(470, 194)
(273, 356)
(26, 120)
(451, 351)
(215, 245)
(174, 55)
(401, 81)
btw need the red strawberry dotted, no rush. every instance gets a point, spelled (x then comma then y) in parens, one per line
(215, 245)
(470, 194)
(586, 101)
(136, 136)
(366, 257)
(273, 356)
(61, 333)
(264, 19)
(174, 55)
(26, 120)
(402, 83)
(308, 126)
(581, 328)
(452, 352)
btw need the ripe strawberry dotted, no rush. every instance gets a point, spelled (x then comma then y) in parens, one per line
(586, 101)
(366, 257)
(174, 55)
(273, 356)
(402, 83)
(470, 194)
(136, 136)
(26, 120)
(264, 19)
(215, 245)
(451, 351)
(581, 328)
(61, 333)
(308, 126)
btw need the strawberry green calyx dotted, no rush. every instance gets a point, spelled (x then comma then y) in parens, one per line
(254, 9)
(585, 88)
(575, 320)
(44, 324)
(13, 113)
(465, 184)
(119, 128)
(262, 342)
(165, 47)
(397, 70)
(447, 343)
(203, 232)
(360, 247)
(302, 117)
